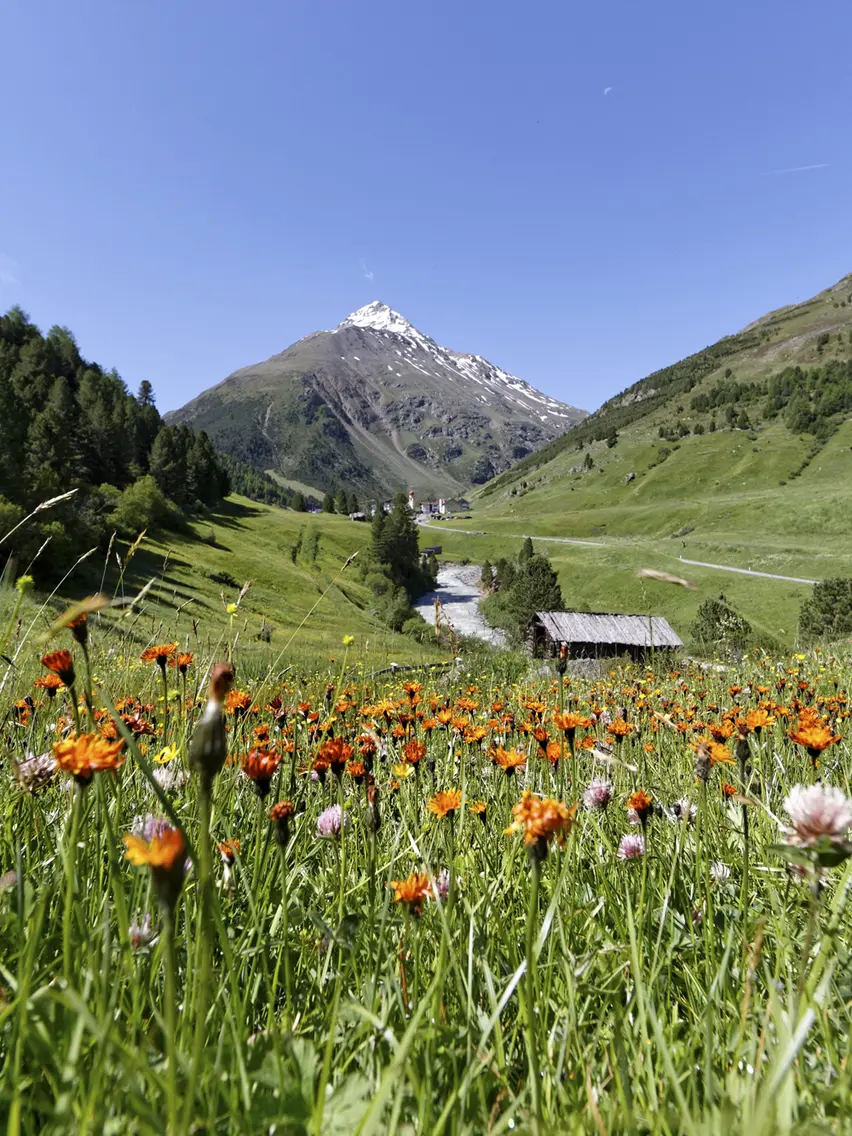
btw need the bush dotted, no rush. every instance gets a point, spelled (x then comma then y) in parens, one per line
(143, 505)
(827, 614)
(719, 627)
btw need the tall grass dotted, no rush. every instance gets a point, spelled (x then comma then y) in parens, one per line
(581, 994)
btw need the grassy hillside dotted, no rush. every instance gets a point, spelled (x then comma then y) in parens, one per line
(295, 562)
(767, 498)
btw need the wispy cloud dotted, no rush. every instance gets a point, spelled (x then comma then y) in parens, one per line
(368, 274)
(607, 90)
(9, 270)
(797, 169)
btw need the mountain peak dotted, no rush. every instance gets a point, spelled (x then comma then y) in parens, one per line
(379, 317)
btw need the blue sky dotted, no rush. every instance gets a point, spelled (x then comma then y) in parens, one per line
(191, 186)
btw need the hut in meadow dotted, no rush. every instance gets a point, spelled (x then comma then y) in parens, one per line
(596, 634)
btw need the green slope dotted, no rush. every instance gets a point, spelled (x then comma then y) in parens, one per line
(256, 543)
(767, 498)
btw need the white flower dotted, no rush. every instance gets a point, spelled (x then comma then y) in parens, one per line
(683, 810)
(598, 794)
(817, 811)
(632, 847)
(720, 872)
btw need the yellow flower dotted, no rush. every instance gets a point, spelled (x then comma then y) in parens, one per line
(231, 609)
(348, 640)
(403, 770)
(167, 754)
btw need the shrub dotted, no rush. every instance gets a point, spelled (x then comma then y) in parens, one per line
(828, 612)
(143, 505)
(718, 626)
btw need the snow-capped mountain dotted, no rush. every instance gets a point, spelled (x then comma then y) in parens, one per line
(377, 405)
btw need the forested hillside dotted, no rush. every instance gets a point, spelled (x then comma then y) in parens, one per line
(68, 424)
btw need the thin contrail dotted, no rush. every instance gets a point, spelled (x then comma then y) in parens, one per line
(796, 169)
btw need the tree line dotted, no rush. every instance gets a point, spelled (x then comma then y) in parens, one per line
(68, 424)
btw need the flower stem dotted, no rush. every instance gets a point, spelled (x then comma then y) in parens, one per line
(529, 982)
(170, 1015)
(204, 935)
(70, 866)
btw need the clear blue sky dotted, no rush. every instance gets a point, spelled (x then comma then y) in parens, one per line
(191, 186)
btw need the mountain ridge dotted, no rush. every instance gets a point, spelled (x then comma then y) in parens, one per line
(376, 405)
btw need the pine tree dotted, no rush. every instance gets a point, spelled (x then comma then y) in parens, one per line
(298, 504)
(341, 502)
(527, 551)
(328, 503)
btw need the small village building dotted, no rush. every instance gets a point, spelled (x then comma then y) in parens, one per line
(596, 635)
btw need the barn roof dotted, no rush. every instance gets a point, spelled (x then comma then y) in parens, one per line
(603, 627)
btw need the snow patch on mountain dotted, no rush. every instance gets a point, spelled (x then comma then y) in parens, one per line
(382, 319)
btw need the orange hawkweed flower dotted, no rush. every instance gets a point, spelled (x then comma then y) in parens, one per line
(728, 790)
(758, 720)
(49, 683)
(182, 662)
(641, 803)
(411, 892)
(159, 654)
(814, 738)
(478, 808)
(619, 729)
(87, 754)
(237, 702)
(413, 752)
(228, 850)
(260, 766)
(446, 803)
(280, 814)
(509, 760)
(164, 854)
(336, 752)
(570, 723)
(61, 664)
(541, 819)
(79, 628)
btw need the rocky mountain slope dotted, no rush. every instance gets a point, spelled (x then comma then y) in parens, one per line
(376, 405)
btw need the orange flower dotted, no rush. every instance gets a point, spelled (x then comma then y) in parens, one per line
(261, 765)
(619, 729)
(758, 720)
(413, 751)
(712, 752)
(815, 738)
(336, 752)
(182, 662)
(356, 771)
(478, 808)
(569, 723)
(86, 754)
(164, 854)
(159, 654)
(509, 760)
(237, 702)
(61, 664)
(541, 819)
(640, 803)
(49, 683)
(446, 803)
(411, 892)
(79, 628)
(728, 790)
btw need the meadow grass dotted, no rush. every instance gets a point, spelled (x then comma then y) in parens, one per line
(701, 987)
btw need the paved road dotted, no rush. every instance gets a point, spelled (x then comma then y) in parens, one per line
(746, 571)
(518, 536)
(458, 591)
(600, 544)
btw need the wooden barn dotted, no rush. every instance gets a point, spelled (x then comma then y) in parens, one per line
(595, 635)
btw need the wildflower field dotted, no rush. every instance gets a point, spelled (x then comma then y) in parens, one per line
(447, 900)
